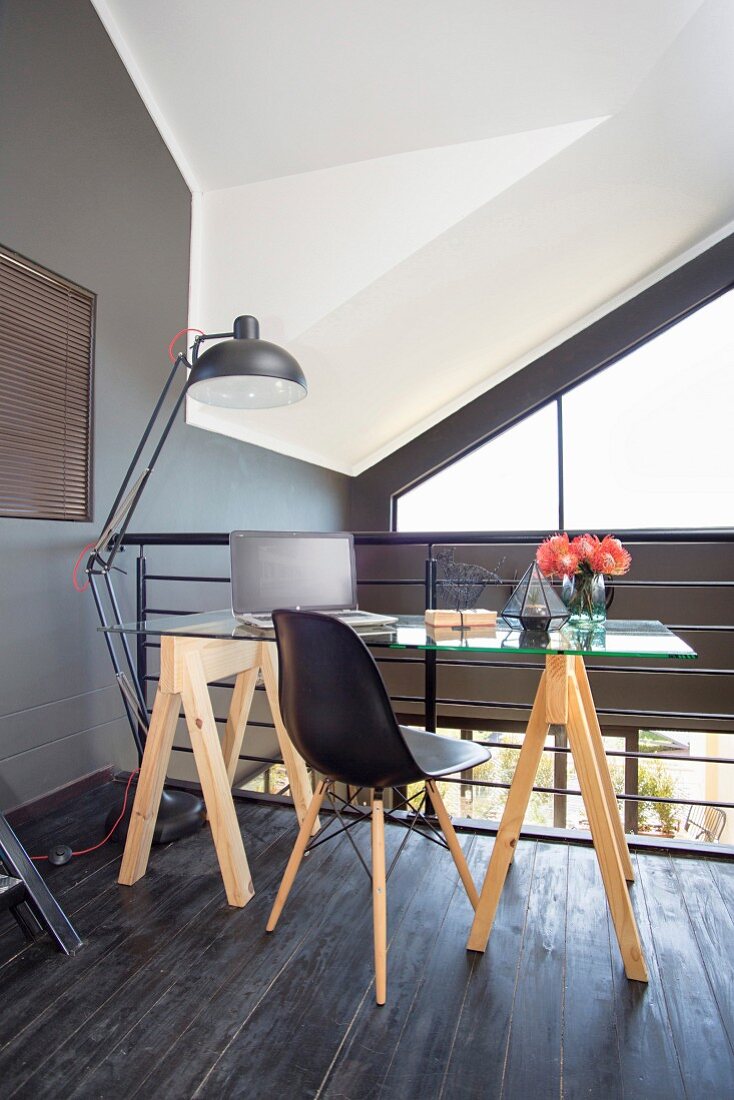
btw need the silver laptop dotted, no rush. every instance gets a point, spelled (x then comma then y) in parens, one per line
(306, 571)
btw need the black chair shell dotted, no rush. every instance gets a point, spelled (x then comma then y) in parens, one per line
(338, 714)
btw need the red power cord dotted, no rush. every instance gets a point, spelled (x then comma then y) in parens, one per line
(94, 847)
(75, 570)
(171, 356)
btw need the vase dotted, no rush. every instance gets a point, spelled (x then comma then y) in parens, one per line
(585, 597)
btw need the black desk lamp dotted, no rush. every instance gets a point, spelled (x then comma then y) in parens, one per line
(243, 372)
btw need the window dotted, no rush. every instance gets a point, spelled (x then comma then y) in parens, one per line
(646, 444)
(508, 484)
(46, 357)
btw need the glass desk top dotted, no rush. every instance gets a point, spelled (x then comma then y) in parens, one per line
(615, 638)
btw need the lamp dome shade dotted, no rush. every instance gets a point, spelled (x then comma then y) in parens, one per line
(247, 372)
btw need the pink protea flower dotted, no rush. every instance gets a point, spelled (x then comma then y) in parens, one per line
(556, 557)
(610, 557)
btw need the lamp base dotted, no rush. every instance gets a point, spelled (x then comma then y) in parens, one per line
(180, 814)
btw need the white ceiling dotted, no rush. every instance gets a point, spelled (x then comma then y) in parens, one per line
(416, 197)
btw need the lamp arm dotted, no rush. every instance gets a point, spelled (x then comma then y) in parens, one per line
(106, 548)
(206, 336)
(123, 507)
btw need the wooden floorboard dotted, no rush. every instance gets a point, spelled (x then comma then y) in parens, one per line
(175, 994)
(363, 1064)
(533, 1064)
(102, 1008)
(648, 1057)
(318, 993)
(477, 1062)
(170, 1048)
(590, 1064)
(714, 931)
(427, 1036)
(707, 1065)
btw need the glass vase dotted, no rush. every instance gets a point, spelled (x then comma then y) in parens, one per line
(585, 597)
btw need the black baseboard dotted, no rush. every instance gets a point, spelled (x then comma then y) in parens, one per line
(45, 803)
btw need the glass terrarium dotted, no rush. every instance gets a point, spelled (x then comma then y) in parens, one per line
(534, 605)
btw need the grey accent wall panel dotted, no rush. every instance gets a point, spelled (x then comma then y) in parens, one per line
(88, 189)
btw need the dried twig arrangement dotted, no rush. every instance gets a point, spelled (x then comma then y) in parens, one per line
(462, 583)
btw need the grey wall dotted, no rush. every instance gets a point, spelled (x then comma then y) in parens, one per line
(571, 361)
(88, 189)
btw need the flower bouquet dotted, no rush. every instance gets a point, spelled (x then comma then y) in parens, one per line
(582, 563)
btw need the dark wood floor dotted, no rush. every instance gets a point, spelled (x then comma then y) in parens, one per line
(176, 995)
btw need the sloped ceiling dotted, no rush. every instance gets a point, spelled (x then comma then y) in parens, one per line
(416, 197)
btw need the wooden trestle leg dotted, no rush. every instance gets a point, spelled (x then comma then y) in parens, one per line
(592, 720)
(601, 818)
(511, 823)
(215, 784)
(452, 840)
(188, 666)
(295, 765)
(150, 786)
(564, 698)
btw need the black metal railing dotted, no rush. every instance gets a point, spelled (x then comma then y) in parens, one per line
(381, 555)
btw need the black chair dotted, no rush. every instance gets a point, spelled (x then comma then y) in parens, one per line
(338, 714)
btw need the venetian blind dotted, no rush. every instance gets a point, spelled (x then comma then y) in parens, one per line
(46, 357)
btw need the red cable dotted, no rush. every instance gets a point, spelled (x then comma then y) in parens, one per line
(94, 847)
(75, 570)
(171, 356)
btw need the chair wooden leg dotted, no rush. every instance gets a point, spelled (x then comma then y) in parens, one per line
(304, 835)
(379, 897)
(453, 842)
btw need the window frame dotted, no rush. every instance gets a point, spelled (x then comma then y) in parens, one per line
(62, 281)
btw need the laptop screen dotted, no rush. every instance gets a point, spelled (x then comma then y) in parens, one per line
(272, 569)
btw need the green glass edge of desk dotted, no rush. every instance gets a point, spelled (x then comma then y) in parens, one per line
(222, 625)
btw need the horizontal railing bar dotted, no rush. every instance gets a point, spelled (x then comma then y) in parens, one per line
(223, 722)
(443, 538)
(539, 666)
(524, 538)
(417, 582)
(616, 711)
(257, 759)
(184, 577)
(625, 754)
(409, 582)
(711, 628)
(164, 611)
(504, 581)
(622, 797)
